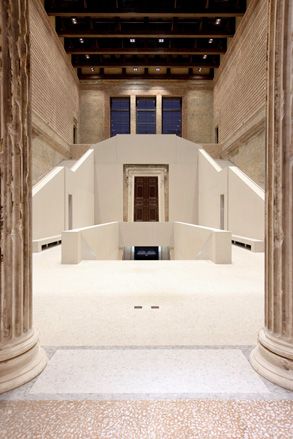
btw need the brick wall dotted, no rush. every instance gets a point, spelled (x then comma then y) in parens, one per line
(55, 89)
(240, 89)
(197, 106)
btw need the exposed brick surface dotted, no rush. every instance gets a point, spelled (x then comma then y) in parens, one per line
(55, 93)
(240, 85)
(197, 106)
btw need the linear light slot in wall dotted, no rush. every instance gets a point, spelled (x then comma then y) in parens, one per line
(241, 244)
(50, 244)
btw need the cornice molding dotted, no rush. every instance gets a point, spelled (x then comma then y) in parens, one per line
(41, 129)
(253, 126)
(145, 83)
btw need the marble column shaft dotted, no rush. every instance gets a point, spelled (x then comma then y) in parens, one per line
(273, 357)
(20, 356)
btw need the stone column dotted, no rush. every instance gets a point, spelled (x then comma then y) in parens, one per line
(21, 358)
(273, 357)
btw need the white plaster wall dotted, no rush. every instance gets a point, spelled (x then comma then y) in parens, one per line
(48, 205)
(146, 234)
(191, 242)
(246, 205)
(50, 198)
(212, 182)
(80, 184)
(112, 154)
(96, 242)
(196, 182)
(103, 241)
(244, 199)
(100, 242)
(198, 242)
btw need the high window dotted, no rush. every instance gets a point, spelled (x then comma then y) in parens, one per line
(171, 115)
(120, 116)
(146, 115)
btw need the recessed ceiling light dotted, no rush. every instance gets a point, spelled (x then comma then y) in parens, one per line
(81, 40)
(161, 40)
(205, 57)
(132, 40)
(74, 20)
(218, 21)
(87, 57)
(211, 40)
(158, 69)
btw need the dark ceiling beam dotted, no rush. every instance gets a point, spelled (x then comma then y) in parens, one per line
(126, 15)
(145, 63)
(145, 51)
(93, 34)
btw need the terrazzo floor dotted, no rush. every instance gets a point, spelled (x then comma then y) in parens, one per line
(148, 371)
(155, 350)
(200, 303)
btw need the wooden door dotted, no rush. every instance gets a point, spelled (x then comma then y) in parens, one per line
(146, 199)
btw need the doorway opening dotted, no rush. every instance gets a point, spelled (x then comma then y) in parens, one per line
(137, 191)
(146, 253)
(146, 199)
(222, 211)
(70, 213)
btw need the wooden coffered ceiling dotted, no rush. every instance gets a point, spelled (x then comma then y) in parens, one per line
(176, 39)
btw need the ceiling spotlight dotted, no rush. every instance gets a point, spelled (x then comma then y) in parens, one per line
(132, 40)
(92, 69)
(161, 40)
(211, 40)
(158, 69)
(205, 57)
(135, 69)
(87, 57)
(218, 21)
(81, 40)
(74, 20)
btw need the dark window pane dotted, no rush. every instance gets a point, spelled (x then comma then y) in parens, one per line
(146, 103)
(172, 116)
(120, 116)
(146, 116)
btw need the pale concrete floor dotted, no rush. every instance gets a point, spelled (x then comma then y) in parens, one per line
(92, 304)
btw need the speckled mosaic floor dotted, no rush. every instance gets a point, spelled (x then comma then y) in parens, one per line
(69, 401)
(120, 373)
(146, 420)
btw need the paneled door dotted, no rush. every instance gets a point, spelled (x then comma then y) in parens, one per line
(146, 199)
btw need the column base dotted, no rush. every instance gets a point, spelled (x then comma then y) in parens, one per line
(273, 359)
(20, 362)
